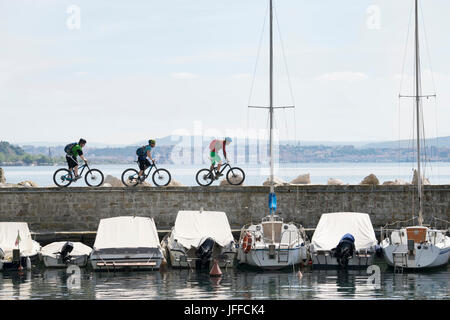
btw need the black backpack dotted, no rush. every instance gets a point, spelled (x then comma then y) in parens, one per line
(68, 148)
(141, 151)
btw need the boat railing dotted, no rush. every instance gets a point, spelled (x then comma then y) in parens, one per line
(441, 222)
(387, 227)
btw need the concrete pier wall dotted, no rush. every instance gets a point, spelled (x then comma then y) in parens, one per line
(80, 209)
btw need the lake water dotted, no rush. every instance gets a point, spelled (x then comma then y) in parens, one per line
(234, 284)
(351, 173)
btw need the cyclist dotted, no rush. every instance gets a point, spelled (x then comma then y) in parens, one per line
(73, 150)
(215, 147)
(142, 153)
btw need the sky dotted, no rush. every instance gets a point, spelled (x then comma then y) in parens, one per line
(117, 72)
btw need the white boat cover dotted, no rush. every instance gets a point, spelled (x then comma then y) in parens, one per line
(193, 226)
(126, 232)
(9, 232)
(79, 249)
(333, 226)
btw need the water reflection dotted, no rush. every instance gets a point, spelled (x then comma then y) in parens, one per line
(233, 284)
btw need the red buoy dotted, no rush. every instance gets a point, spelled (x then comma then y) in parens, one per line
(215, 270)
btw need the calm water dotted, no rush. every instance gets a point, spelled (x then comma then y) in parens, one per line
(234, 284)
(352, 173)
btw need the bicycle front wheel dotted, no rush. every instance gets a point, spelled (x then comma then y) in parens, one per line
(62, 177)
(235, 176)
(94, 178)
(130, 177)
(204, 177)
(161, 177)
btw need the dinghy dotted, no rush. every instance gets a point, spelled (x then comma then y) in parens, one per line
(343, 239)
(198, 238)
(126, 243)
(418, 246)
(64, 253)
(17, 248)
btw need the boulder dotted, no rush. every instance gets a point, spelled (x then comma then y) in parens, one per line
(335, 182)
(276, 181)
(28, 184)
(113, 181)
(106, 185)
(302, 179)
(8, 185)
(425, 181)
(2, 176)
(371, 179)
(235, 179)
(389, 183)
(175, 183)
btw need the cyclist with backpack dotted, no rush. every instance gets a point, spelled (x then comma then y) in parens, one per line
(73, 150)
(214, 148)
(142, 153)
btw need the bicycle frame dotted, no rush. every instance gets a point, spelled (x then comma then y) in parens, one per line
(149, 169)
(82, 167)
(224, 166)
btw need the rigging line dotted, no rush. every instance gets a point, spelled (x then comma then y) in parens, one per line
(406, 50)
(258, 55)
(428, 49)
(284, 57)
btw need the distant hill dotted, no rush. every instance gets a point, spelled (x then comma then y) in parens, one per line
(15, 155)
(440, 142)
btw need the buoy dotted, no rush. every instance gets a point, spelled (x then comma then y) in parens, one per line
(299, 274)
(247, 242)
(215, 270)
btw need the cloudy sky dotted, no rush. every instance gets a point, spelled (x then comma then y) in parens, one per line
(117, 72)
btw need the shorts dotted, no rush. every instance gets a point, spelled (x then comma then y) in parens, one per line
(143, 163)
(71, 162)
(215, 157)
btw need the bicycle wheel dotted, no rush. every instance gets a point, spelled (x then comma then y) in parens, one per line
(161, 177)
(130, 177)
(204, 177)
(62, 177)
(94, 178)
(235, 176)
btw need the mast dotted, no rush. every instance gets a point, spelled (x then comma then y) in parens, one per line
(272, 188)
(418, 114)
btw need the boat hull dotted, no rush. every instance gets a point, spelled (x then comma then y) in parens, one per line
(326, 260)
(52, 262)
(126, 259)
(264, 259)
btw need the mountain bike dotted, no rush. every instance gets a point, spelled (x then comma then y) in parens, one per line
(235, 176)
(64, 177)
(161, 177)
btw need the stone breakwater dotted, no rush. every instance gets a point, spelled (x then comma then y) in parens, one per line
(80, 209)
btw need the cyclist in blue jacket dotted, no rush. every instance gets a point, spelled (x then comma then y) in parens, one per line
(143, 153)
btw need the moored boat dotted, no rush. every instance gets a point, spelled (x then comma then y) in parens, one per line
(198, 238)
(64, 253)
(343, 239)
(126, 242)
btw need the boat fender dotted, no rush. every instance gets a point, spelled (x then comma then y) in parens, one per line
(28, 265)
(247, 242)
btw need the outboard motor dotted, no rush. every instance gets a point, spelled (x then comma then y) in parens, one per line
(344, 250)
(65, 252)
(204, 251)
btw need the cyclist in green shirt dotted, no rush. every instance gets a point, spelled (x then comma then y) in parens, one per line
(75, 150)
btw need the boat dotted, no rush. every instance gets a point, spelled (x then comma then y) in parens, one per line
(17, 248)
(416, 246)
(126, 242)
(272, 244)
(64, 253)
(198, 238)
(343, 240)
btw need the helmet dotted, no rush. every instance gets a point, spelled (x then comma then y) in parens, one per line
(228, 139)
(151, 141)
(82, 141)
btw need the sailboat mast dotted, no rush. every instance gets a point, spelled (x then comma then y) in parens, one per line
(418, 114)
(272, 189)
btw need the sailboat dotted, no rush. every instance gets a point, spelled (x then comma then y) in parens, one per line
(272, 244)
(417, 246)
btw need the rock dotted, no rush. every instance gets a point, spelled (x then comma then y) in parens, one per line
(113, 181)
(106, 185)
(235, 179)
(371, 179)
(389, 183)
(302, 179)
(175, 183)
(425, 181)
(2, 176)
(276, 181)
(8, 185)
(335, 182)
(401, 182)
(28, 184)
